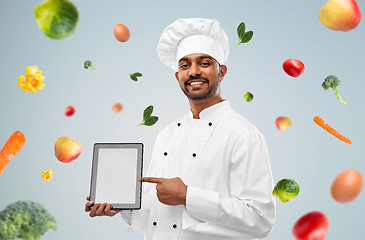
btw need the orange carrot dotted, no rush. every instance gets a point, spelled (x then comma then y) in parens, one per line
(11, 149)
(329, 129)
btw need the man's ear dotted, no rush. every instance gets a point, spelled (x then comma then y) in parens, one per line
(177, 76)
(222, 71)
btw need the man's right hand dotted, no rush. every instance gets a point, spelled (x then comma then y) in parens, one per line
(99, 209)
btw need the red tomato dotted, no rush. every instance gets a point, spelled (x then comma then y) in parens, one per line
(293, 67)
(312, 226)
(69, 111)
(121, 32)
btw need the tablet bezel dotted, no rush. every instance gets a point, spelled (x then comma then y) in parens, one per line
(138, 197)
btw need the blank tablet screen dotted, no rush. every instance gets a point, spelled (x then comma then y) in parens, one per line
(116, 170)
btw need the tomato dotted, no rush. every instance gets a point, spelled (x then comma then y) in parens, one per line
(121, 32)
(69, 111)
(293, 67)
(312, 226)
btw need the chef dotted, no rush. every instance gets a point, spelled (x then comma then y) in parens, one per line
(209, 177)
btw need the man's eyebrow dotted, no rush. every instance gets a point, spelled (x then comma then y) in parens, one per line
(203, 57)
(183, 59)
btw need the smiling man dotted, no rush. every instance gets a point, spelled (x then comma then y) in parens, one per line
(209, 177)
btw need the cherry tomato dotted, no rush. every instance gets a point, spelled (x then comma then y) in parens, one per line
(69, 111)
(121, 32)
(293, 67)
(312, 226)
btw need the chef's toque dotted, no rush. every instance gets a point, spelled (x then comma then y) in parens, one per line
(192, 35)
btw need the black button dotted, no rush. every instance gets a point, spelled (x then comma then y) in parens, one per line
(194, 154)
(178, 124)
(174, 226)
(165, 153)
(154, 223)
(210, 124)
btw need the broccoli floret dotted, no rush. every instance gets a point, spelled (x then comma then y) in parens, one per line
(26, 220)
(332, 82)
(88, 64)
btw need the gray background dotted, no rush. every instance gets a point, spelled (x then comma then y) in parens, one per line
(282, 29)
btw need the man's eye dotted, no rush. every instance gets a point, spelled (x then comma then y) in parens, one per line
(182, 66)
(205, 64)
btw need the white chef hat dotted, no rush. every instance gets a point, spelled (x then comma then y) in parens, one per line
(192, 35)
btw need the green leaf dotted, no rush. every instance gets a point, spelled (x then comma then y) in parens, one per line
(137, 74)
(134, 78)
(241, 30)
(147, 112)
(247, 37)
(150, 121)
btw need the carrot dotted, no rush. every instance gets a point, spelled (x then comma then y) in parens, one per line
(329, 129)
(11, 149)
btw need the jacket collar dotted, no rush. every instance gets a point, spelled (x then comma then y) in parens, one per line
(214, 112)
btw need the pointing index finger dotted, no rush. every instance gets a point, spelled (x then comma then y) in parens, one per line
(150, 179)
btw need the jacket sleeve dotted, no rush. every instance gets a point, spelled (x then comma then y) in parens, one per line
(138, 218)
(249, 211)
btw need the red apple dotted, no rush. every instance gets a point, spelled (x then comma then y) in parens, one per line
(66, 149)
(282, 123)
(340, 15)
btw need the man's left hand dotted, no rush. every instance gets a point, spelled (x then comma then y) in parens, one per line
(170, 191)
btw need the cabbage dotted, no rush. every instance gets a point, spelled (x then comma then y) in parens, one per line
(286, 189)
(57, 18)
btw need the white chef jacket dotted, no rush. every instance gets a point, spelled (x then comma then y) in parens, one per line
(223, 159)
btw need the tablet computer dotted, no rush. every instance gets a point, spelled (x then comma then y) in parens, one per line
(116, 169)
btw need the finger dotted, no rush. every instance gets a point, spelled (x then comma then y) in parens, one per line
(108, 209)
(100, 211)
(88, 198)
(113, 212)
(93, 210)
(88, 205)
(151, 179)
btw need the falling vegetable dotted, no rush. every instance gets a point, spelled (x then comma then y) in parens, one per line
(25, 220)
(57, 18)
(32, 81)
(329, 129)
(47, 175)
(244, 37)
(135, 75)
(286, 189)
(69, 111)
(88, 64)
(311, 226)
(332, 82)
(248, 97)
(11, 148)
(293, 67)
(148, 120)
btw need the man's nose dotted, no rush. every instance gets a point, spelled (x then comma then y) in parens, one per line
(194, 70)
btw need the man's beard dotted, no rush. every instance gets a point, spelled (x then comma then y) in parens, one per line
(211, 90)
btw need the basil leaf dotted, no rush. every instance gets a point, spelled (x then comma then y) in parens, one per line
(247, 37)
(241, 30)
(147, 112)
(151, 120)
(137, 74)
(134, 78)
